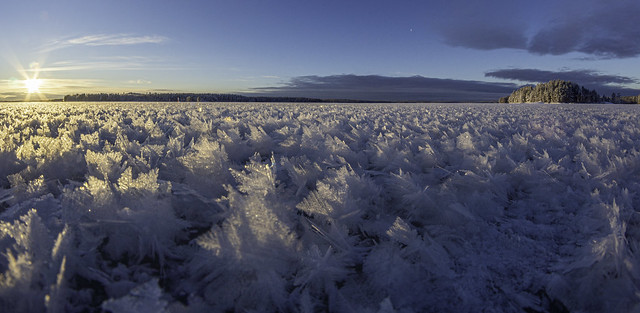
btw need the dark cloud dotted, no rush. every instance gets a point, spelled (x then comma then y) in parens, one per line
(587, 77)
(610, 32)
(591, 79)
(601, 29)
(384, 88)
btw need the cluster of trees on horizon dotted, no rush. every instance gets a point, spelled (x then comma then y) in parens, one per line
(189, 97)
(560, 91)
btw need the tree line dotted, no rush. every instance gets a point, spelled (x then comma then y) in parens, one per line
(629, 99)
(189, 97)
(560, 91)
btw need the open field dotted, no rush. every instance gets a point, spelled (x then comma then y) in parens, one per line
(176, 207)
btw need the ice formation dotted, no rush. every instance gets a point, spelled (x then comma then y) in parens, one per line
(142, 207)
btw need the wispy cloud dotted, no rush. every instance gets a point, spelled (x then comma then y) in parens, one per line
(104, 40)
(115, 40)
(139, 82)
(385, 88)
(53, 83)
(116, 63)
(63, 83)
(81, 66)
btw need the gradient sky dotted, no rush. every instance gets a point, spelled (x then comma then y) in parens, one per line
(443, 50)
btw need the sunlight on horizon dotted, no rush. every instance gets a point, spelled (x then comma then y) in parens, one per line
(31, 84)
(28, 85)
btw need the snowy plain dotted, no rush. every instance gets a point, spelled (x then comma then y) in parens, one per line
(252, 207)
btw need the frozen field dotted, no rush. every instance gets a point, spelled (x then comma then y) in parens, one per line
(138, 207)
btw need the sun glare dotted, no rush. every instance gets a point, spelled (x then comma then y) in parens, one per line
(33, 85)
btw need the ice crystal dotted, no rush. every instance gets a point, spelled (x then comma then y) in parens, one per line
(135, 207)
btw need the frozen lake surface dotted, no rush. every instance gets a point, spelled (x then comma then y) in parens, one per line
(176, 207)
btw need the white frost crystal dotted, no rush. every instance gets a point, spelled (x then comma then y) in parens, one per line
(143, 207)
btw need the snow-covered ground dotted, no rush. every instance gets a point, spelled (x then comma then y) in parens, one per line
(138, 207)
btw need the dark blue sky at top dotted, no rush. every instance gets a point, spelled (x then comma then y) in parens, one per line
(446, 50)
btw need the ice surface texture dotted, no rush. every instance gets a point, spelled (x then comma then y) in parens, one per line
(140, 207)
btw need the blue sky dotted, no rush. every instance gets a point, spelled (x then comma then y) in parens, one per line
(443, 50)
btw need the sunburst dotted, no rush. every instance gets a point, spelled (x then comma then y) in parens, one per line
(32, 82)
(33, 85)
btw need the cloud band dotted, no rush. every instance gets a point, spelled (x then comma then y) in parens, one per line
(385, 88)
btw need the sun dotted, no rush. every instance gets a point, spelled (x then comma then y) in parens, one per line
(33, 85)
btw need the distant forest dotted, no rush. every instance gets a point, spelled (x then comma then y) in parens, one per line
(560, 91)
(189, 97)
